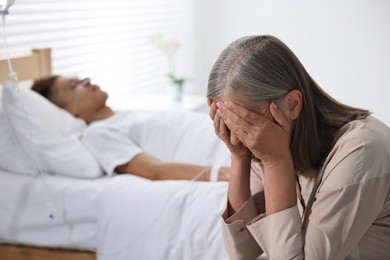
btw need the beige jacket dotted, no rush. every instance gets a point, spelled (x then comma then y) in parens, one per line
(350, 216)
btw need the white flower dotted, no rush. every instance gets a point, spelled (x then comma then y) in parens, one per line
(169, 47)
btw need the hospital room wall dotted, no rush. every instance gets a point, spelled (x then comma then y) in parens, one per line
(344, 45)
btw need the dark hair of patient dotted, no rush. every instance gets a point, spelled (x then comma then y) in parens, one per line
(262, 68)
(44, 85)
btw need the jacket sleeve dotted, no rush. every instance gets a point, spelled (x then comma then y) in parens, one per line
(238, 241)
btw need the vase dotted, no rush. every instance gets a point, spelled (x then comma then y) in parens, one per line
(176, 92)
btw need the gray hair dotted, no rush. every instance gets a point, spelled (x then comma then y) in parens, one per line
(255, 68)
(263, 68)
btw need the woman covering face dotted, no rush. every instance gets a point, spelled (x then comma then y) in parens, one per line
(310, 176)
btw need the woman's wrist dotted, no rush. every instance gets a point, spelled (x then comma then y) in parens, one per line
(239, 182)
(241, 163)
(283, 166)
(243, 157)
(279, 186)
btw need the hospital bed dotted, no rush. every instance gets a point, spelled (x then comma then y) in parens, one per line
(50, 216)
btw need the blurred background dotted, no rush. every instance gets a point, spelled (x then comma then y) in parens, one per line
(344, 44)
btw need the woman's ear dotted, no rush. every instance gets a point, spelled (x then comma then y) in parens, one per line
(293, 99)
(210, 101)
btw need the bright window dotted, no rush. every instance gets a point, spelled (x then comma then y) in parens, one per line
(106, 40)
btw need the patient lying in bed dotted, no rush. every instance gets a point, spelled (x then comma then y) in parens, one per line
(53, 192)
(125, 142)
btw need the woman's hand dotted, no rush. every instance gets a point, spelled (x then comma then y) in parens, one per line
(236, 147)
(268, 138)
(239, 178)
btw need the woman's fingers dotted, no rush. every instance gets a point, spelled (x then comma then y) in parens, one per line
(262, 134)
(213, 110)
(248, 117)
(216, 122)
(232, 120)
(234, 140)
(233, 124)
(225, 134)
(224, 131)
(220, 128)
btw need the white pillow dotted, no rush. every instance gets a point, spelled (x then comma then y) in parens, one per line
(48, 134)
(12, 156)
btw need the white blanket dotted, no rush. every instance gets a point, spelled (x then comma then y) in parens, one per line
(122, 217)
(141, 219)
(48, 210)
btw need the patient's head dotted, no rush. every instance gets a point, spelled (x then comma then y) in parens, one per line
(78, 96)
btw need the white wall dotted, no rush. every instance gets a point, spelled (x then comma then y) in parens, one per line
(344, 44)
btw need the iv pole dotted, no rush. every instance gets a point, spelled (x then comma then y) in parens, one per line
(5, 5)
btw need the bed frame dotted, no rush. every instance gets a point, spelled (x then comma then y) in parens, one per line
(30, 67)
(21, 252)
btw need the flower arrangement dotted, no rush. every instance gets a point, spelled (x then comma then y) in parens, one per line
(168, 47)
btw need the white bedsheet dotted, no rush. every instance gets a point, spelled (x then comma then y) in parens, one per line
(49, 210)
(168, 220)
(123, 217)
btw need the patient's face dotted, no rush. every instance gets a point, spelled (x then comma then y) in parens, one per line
(79, 97)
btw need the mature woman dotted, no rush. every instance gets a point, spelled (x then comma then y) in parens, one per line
(310, 177)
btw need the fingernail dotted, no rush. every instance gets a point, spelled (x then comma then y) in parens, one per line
(227, 103)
